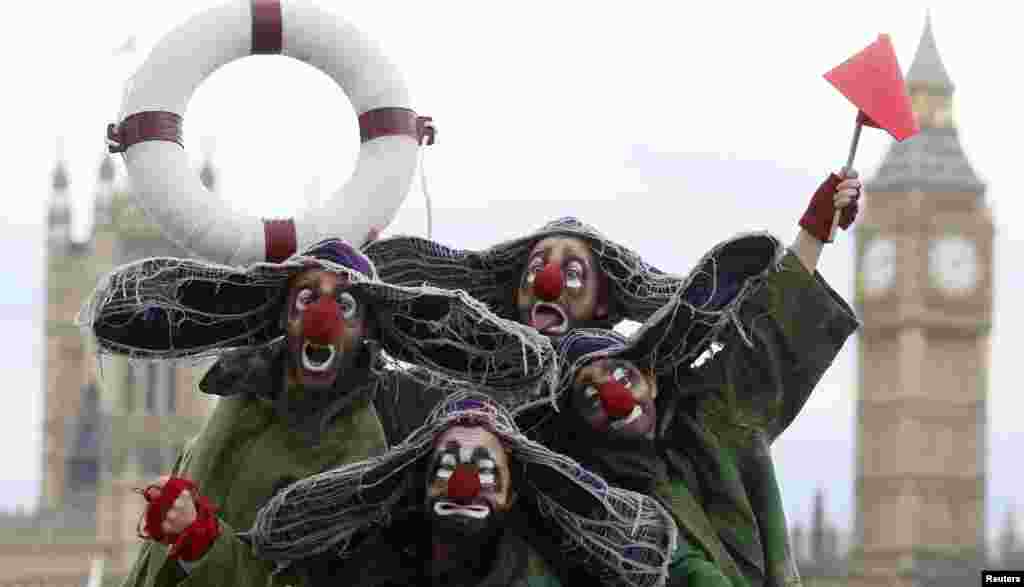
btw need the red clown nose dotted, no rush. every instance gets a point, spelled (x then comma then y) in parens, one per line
(464, 484)
(548, 283)
(617, 401)
(320, 323)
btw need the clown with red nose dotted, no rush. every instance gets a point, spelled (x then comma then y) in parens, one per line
(568, 275)
(314, 329)
(325, 326)
(687, 407)
(466, 501)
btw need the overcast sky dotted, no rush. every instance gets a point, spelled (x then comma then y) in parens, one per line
(668, 125)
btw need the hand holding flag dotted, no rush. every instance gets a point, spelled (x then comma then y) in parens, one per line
(873, 82)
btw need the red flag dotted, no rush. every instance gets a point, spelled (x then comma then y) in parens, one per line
(873, 81)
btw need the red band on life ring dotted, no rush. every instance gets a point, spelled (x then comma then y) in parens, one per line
(266, 27)
(382, 122)
(280, 239)
(151, 125)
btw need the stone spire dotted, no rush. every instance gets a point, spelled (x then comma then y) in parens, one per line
(59, 212)
(103, 204)
(60, 177)
(1009, 544)
(818, 538)
(207, 174)
(927, 70)
(933, 160)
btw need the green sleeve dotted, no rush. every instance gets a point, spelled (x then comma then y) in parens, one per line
(690, 567)
(142, 569)
(229, 561)
(137, 576)
(787, 332)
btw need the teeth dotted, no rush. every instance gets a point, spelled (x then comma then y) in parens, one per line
(309, 366)
(633, 416)
(447, 508)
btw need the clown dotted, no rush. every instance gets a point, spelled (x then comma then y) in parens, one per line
(326, 307)
(463, 502)
(645, 414)
(568, 275)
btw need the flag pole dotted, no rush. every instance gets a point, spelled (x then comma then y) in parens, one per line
(849, 166)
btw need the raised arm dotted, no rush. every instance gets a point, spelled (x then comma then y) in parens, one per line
(790, 330)
(838, 192)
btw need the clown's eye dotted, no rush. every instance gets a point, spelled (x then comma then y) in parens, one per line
(535, 267)
(574, 275)
(348, 305)
(621, 374)
(304, 299)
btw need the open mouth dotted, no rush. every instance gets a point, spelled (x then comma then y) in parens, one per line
(317, 358)
(632, 417)
(447, 508)
(548, 319)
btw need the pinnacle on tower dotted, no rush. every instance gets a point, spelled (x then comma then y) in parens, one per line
(207, 176)
(60, 177)
(927, 70)
(59, 213)
(818, 527)
(1008, 542)
(103, 204)
(106, 173)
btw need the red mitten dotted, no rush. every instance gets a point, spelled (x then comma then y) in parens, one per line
(817, 220)
(195, 540)
(193, 543)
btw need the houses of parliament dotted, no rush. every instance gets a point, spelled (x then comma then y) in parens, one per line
(109, 427)
(924, 296)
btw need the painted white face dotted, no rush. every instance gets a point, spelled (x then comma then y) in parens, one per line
(474, 451)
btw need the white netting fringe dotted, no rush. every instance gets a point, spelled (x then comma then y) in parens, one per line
(625, 537)
(172, 309)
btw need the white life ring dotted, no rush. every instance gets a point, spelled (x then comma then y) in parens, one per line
(169, 190)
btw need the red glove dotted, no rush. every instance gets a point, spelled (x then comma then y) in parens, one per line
(196, 539)
(817, 220)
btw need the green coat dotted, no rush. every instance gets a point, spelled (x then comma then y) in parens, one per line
(710, 462)
(243, 455)
(716, 433)
(245, 428)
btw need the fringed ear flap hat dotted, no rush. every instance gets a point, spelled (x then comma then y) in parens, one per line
(165, 308)
(685, 327)
(636, 290)
(625, 537)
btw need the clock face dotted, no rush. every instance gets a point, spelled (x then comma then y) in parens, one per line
(879, 265)
(953, 264)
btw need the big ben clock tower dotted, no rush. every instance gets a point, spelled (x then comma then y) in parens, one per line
(924, 292)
